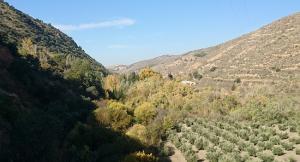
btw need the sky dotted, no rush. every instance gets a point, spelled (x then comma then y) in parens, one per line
(127, 31)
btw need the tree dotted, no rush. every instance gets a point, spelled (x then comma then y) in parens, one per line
(196, 75)
(117, 119)
(145, 112)
(138, 132)
(27, 47)
(147, 73)
(114, 86)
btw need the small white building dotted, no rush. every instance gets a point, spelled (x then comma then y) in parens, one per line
(187, 82)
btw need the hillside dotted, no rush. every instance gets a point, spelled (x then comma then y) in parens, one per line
(267, 55)
(161, 61)
(48, 44)
(47, 88)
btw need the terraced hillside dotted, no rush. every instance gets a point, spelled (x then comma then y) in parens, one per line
(268, 55)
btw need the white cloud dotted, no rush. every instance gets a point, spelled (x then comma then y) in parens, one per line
(104, 24)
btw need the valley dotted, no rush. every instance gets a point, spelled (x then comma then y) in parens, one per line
(238, 101)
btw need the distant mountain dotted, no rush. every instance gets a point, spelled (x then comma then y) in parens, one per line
(158, 61)
(270, 54)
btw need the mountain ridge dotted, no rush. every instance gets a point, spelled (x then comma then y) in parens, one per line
(268, 54)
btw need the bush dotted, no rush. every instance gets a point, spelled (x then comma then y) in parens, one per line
(227, 146)
(227, 158)
(277, 150)
(117, 119)
(284, 135)
(253, 139)
(275, 140)
(245, 156)
(196, 75)
(213, 154)
(241, 145)
(282, 127)
(214, 139)
(167, 151)
(268, 145)
(192, 158)
(261, 144)
(201, 54)
(140, 157)
(201, 143)
(251, 150)
(266, 157)
(287, 146)
(138, 132)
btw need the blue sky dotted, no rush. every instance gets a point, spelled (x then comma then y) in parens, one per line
(126, 31)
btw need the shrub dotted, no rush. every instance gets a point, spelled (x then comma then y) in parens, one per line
(140, 157)
(277, 150)
(282, 127)
(201, 54)
(293, 128)
(214, 139)
(287, 146)
(196, 75)
(201, 143)
(245, 156)
(212, 68)
(266, 156)
(264, 136)
(227, 146)
(275, 140)
(254, 139)
(268, 145)
(241, 145)
(251, 150)
(284, 135)
(213, 155)
(227, 158)
(117, 119)
(192, 158)
(167, 151)
(138, 132)
(244, 134)
(261, 144)
(237, 80)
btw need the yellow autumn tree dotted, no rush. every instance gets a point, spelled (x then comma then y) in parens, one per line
(117, 119)
(27, 47)
(147, 73)
(138, 132)
(145, 112)
(140, 156)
